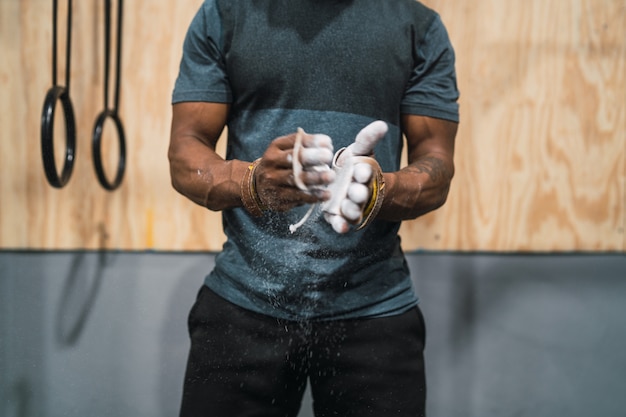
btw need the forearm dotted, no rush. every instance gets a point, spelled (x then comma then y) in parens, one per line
(204, 177)
(417, 189)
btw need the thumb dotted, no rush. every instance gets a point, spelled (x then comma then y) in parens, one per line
(368, 137)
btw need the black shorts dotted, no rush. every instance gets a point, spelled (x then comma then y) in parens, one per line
(246, 364)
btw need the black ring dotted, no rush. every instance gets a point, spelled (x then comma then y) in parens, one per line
(47, 136)
(96, 148)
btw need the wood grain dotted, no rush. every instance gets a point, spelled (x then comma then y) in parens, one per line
(540, 154)
(540, 151)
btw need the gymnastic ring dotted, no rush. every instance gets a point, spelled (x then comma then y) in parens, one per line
(96, 149)
(55, 94)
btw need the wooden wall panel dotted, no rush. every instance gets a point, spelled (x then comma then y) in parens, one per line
(540, 154)
(145, 213)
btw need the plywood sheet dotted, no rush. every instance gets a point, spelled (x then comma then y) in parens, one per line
(540, 155)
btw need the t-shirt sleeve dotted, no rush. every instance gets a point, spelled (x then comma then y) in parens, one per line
(432, 89)
(202, 75)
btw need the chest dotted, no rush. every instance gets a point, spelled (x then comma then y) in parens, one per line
(318, 55)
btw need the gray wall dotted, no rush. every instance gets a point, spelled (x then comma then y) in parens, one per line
(104, 334)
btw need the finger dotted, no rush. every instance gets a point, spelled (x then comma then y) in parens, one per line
(278, 158)
(338, 223)
(317, 177)
(283, 198)
(285, 186)
(321, 194)
(316, 156)
(362, 173)
(368, 137)
(296, 164)
(317, 141)
(284, 143)
(280, 152)
(358, 193)
(350, 210)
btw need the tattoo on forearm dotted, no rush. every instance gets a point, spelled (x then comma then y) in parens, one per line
(434, 167)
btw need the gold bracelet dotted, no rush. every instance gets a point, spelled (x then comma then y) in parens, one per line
(249, 197)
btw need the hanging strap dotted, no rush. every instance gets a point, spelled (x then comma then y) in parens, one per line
(110, 112)
(62, 94)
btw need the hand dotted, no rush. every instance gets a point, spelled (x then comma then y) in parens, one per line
(279, 186)
(352, 190)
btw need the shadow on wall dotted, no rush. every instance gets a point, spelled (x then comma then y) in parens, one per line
(22, 366)
(526, 335)
(78, 297)
(19, 399)
(51, 331)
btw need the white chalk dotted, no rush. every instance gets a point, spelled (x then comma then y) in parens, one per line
(358, 193)
(368, 137)
(315, 157)
(362, 173)
(350, 210)
(339, 224)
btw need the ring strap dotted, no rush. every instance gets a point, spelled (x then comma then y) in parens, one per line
(96, 150)
(54, 94)
(110, 112)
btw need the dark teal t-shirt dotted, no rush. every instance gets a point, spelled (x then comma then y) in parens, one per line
(328, 67)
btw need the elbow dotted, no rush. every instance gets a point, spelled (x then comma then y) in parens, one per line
(175, 170)
(441, 197)
(445, 188)
(176, 184)
(185, 181)
(179, 184)
(433, 199)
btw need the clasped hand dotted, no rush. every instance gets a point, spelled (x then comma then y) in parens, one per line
(301, 168)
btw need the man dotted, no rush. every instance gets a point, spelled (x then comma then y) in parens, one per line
(328, 300)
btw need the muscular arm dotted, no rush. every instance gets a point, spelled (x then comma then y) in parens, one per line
(203, 176)
(196, 170)
(423, 185)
